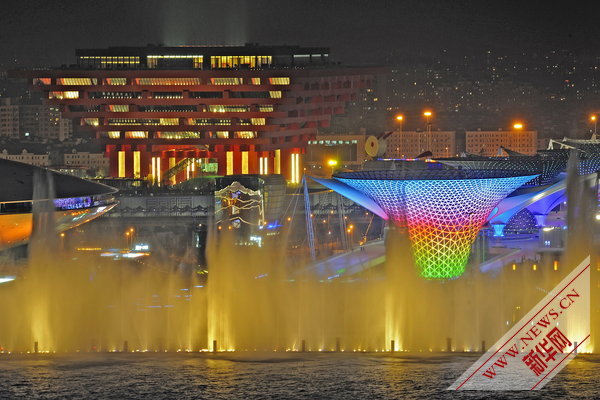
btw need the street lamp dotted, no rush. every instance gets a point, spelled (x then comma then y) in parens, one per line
(332, 164)
(427, 114)
(400, 119)
(594, 119)
(518, 125)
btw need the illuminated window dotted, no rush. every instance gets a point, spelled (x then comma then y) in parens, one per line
(109, 61)
(91, 121)
(64, 95)
(116, 81)
(118, 107)
(136, 135)
(42, 81)
(209, 121)
(245, 135)
(167, 95)
(226, 81)
(156, 61)
(77, 81)
(229, 163)
(255, 81)
(279, 81)
(265, 108)
(258, 121)
(121, 164)
(169, 121)
(275, 94)
(131, 121)
(169, 81)
(114, 134)
(179, 135)
(227, 108)
(223, 134)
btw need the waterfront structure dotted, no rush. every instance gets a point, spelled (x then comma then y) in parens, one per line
(410, 144)
(168, 113)
(26, 187)
(490, 143)
(442, 209)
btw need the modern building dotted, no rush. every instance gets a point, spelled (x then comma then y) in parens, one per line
(327, 153)
(409, 144)
(489, 143)
(163, 112)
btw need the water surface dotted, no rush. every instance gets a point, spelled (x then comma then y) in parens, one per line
(264, 376)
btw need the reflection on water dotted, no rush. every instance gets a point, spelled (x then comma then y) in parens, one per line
(254, 376)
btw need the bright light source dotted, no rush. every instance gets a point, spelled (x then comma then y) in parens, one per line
(399, 117)
(7, 278)
(593, 118)
(427, 113)
(518, 125)
(332, 163)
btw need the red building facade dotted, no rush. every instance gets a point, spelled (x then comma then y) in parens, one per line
(172, 113)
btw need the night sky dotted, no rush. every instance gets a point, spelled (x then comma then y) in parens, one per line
(46, 33)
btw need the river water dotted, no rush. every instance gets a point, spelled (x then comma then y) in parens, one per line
(264, 376)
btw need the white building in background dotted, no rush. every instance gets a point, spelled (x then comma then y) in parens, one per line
(409, 144)
(488, 143)
(89, 161)
(40, 160)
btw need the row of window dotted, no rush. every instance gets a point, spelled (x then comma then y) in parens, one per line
(177, 108)
(332, 142)
(120, 81)
(172, 121)
(185, 135)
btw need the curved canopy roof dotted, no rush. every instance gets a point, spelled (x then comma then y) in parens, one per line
(440, 174)
(17, 181)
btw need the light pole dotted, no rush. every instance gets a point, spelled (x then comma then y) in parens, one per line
(427, 114)
(594, 119)
(400, 120)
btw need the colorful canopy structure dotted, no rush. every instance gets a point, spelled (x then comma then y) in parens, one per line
(443, 210)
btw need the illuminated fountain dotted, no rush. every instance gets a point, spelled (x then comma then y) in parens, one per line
(258, 299)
